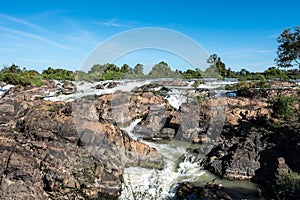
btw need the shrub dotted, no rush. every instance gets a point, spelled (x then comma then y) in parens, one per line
(283, 106)
(287, 186)
(58, 74)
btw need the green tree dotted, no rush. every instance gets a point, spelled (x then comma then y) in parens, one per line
(125, 68)
(189, 74)
(161, 70)
(138, 69)
(289, 48)
(217, 67)
(12, 69)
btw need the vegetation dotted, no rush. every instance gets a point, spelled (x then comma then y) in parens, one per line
(284, 107)
(58, 74)
(289, 48)
(17, 76)
(287, 186)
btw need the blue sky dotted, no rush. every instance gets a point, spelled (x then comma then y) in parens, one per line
(38, 34)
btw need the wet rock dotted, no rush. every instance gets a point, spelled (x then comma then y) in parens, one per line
(187, 190)
(99, 86)
(237, 158)
(153, 123)
(124, 107)
(112, 84)
(68, 88)
(147, 87)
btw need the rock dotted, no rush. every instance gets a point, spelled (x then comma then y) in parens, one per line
(49, 152)
(187, 190)
(153, 123)
(147, 87)
(68, 88)
(124, 107)
(99, 86)
(112, 84)
(237, 158)
(278, 160)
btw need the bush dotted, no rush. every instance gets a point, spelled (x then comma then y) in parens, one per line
(58, 74)
(283, 106)
(287, 186)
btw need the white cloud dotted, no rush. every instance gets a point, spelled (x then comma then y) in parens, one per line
(112, 23)
(33, 36)
(20, 21)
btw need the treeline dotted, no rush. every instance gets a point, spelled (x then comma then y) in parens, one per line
(217, 69)
(17, 76)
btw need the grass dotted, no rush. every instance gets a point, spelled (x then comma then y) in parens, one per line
(51, 109)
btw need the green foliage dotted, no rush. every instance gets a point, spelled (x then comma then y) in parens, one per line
(58, 74)
(16, 76)
(217, 68)
(289, 48)
(15, 69)
(283, 106)
(190, 74)
(287, 186)
(161, 70)
(125, 68)
(112, 75)
(51, 108)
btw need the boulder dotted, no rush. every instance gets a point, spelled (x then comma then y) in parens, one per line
(99, 86)
(68, 88)
(112, 84)
(188, 190)
(236, 159)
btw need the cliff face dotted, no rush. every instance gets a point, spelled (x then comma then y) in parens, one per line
(47, 151)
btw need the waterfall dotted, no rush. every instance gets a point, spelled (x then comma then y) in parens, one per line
(141, 183)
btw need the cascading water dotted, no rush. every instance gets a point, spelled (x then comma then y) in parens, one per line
(141, 183)
(180, 164)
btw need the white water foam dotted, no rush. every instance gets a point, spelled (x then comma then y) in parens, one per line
(141, 183)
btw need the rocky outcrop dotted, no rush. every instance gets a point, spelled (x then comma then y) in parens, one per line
(147, 87)
(237, 152)
(254, 146)
(280, 163)
(211, 191)
(156, 124)
(124, 107)
(235, 158)
(49, 152)
(30, 93)
(68, 88)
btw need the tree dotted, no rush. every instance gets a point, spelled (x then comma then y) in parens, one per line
(12, 69)
(243, 72)
(138, 69)
(217, 67)
(125, 68)
(161, 70)
(289, 48)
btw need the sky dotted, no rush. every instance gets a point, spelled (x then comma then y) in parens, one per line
(62, 33)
